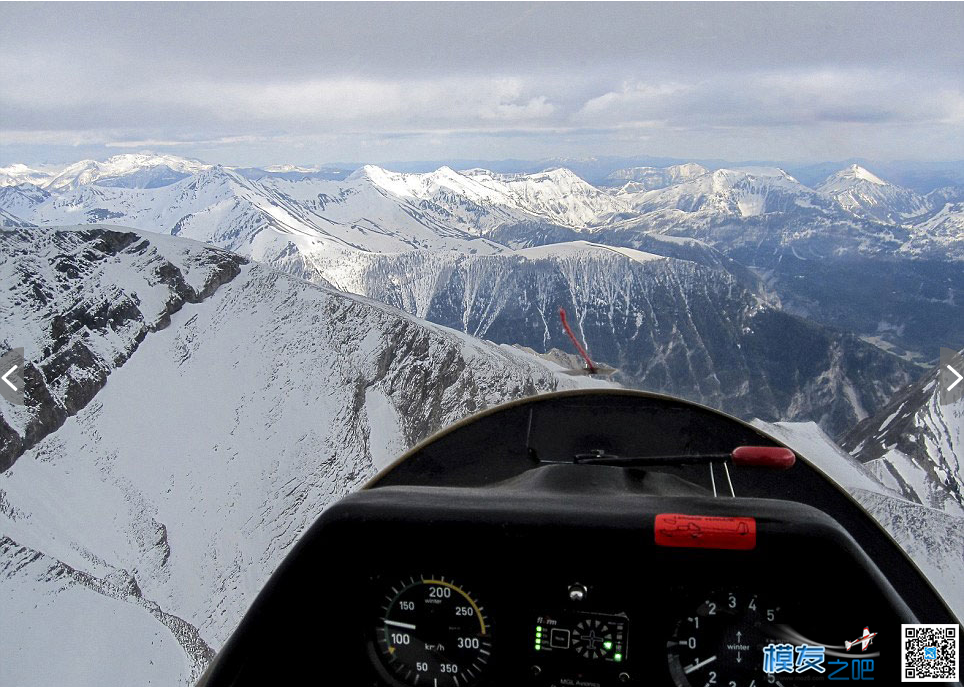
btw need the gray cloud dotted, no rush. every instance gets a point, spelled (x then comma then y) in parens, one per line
(337, 81)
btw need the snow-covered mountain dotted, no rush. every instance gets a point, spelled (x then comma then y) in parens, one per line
(755, 212)
(731, 209)
(821, 260)
(635, 179)
(864, 194)
(754, 215)
(145, 524)
(353, 232)
(16, 174)
(9, 220)
(671, 325)
(22, 199)
(729, 192)
(915, 445)
(138, 170)
(556, 195)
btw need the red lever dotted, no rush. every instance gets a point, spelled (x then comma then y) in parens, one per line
(772, 457)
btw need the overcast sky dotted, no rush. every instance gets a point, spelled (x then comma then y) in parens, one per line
(313, 83)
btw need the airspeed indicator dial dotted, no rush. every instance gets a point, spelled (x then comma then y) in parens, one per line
(432, 632)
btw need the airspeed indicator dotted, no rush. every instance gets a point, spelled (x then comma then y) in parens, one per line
(432, 632)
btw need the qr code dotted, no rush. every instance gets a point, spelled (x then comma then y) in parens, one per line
(930, 653)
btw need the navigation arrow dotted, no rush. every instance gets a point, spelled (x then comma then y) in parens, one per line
(11, 376)
(951, 375)
(956, 374)
(7, 381)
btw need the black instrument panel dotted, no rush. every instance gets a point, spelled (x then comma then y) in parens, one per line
(569, 605)
(426, 586)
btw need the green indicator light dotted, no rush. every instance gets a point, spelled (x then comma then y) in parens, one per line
(617, 657)
(538, 647)
(538, 628)
(607, 645)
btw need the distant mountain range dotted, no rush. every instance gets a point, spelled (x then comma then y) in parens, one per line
(853, 212)
(824, 253)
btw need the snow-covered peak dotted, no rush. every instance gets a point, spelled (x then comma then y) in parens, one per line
(91, 171)
(17, 173)
(555, 195)
(743, 192)
(865, 194)
(848, 177)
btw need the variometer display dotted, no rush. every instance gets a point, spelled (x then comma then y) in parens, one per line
(433, 632)
(721, 642)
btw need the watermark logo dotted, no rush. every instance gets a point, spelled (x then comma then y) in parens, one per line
(804, 658)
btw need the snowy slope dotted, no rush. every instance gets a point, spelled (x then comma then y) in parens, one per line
(941, 230)
(557, 195)
(863, 193)
(934, 539)
(22, 199)
(8, 220)
(159, 509)
(101, 634)
(915, 445)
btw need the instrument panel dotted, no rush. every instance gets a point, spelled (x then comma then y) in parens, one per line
(565, 605)
(420, 587)
(435, 630)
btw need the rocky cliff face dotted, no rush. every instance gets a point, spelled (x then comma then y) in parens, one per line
(80, 302)
(669, 325)
(914, 444)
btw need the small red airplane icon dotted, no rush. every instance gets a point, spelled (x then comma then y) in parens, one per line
(864, 641)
